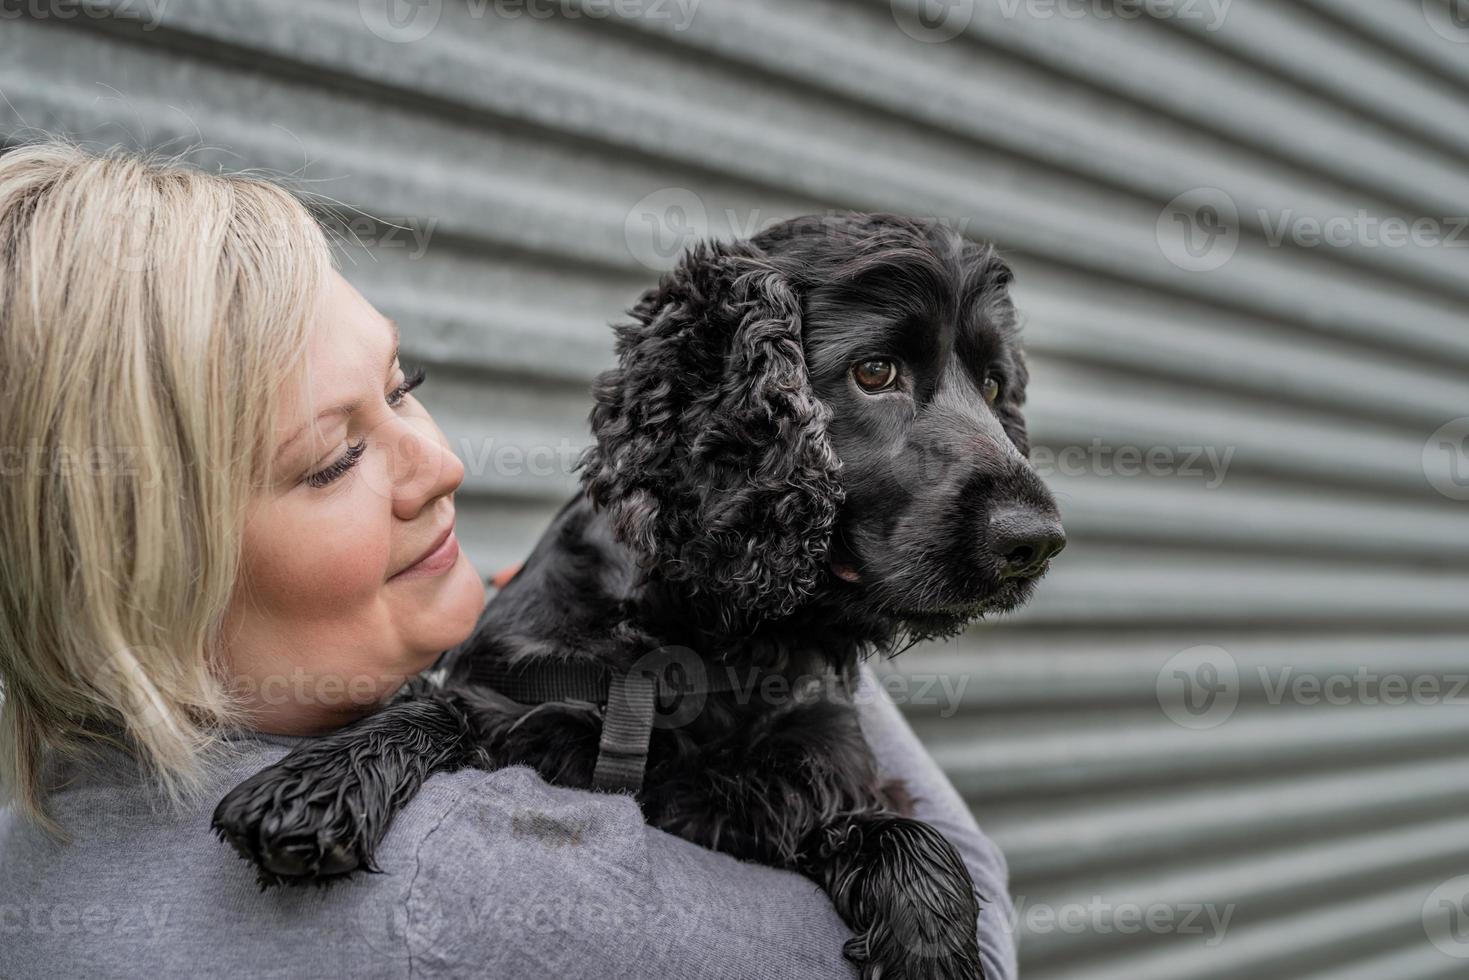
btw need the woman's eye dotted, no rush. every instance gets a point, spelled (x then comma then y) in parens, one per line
(396, 396)
(348, 460)
(991, 389)
(875, 375)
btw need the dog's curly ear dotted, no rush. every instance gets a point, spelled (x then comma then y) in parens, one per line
(997, 308)
(712, 459)
(1011, 407)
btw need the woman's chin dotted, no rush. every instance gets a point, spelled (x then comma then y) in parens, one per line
(442, 611)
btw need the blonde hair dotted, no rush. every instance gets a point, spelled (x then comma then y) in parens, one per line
(148, 313)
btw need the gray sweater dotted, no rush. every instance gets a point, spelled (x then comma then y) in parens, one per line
(486, 874)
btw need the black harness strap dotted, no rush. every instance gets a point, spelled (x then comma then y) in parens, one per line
(628, 698)
(627, 727)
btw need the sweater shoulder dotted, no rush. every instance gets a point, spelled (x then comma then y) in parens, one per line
(522, 878)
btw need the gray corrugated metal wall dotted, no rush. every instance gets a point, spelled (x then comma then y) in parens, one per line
(1146, 741)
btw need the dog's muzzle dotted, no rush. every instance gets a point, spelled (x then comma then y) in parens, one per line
(1022, 539)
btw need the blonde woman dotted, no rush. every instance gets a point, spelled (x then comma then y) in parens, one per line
(226, 525)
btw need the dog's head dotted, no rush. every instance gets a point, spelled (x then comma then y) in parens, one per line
(832, 409)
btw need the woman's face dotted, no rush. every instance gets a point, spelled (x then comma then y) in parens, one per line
(335, 609)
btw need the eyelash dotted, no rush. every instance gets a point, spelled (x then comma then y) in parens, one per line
(396, 396)
(348, 460)
(356, 450)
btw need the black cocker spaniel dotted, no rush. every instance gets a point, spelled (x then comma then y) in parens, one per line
(812, 450)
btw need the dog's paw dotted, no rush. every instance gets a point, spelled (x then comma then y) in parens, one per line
(300, 821)
(879, 957)
(909, 900)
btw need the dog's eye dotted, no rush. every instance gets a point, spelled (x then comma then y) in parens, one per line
(875, 375)
(991, 389)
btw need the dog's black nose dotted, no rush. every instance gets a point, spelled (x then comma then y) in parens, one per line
(1024, 540)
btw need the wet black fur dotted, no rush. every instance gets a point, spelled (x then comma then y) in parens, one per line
(736, 463)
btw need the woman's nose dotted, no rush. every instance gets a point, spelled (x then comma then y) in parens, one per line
(421, 466)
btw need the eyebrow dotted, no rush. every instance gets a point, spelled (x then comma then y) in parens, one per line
(346, 408)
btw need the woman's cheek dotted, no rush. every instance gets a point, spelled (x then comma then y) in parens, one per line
(329, 554)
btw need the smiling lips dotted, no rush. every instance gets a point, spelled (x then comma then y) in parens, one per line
(438, 559)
